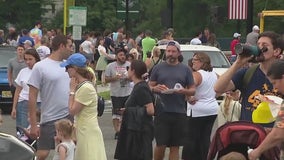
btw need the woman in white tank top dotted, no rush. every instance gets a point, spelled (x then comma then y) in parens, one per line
(201, 108)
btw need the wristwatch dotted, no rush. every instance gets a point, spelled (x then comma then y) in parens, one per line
(72, 93)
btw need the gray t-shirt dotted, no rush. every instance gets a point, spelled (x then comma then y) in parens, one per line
(119, 88)
(53, 84)
(16, 67)
(169, 75)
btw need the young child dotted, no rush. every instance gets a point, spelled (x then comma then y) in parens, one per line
(65, 147)
(230, 108)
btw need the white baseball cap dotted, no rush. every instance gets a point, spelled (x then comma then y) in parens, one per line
(236, 35)
(255, 27)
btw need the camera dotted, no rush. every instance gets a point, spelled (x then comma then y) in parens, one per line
(248, 50)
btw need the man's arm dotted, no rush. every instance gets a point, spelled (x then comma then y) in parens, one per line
(224, 82)
(33, 93)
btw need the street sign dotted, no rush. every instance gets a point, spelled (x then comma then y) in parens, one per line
(77, 32)
(77, 16)
(133, 9)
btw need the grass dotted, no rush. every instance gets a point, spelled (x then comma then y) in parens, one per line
(105, 95)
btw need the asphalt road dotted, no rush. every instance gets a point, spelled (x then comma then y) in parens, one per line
(105, 122)
(9, 124)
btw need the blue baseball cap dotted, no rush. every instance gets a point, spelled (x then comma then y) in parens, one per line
(76, 59)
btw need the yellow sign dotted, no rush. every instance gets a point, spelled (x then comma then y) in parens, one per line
(6, 94)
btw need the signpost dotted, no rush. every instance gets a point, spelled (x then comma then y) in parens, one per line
(77, 19)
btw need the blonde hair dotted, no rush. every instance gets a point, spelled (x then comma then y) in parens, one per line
(156, 52)
(134, 50)
(65, 127)
(232, 96)
(233, 156)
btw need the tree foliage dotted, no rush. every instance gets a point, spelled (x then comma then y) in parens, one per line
(189, 16)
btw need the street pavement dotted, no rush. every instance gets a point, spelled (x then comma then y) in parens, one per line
(9, 127)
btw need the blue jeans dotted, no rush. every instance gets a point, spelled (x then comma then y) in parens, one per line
(22, 114)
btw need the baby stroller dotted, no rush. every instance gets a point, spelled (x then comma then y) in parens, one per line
(238, 137)
(24, 135)
(12, 148)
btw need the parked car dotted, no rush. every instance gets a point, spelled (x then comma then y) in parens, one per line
(218, 59)
(6, 101)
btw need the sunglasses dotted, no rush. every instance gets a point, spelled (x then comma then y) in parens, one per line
(67, 67)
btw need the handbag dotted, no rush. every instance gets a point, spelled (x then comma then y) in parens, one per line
(101, 100)
(101, 106)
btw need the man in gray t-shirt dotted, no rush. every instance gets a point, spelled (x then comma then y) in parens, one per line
(120, 89)
(170, 125)
(14, 67)
(52, 82)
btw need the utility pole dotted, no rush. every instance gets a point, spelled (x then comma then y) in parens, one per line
(250, 16)
(126, 15)
(171, 8)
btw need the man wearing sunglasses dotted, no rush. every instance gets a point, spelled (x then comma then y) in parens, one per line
(170, 125)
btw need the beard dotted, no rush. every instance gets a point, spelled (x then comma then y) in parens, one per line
(171, 59)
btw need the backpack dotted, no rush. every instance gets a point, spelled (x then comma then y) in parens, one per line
(239, 136)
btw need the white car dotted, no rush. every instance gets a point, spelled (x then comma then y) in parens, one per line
(218, 59)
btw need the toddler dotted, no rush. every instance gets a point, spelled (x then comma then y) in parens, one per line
(65, 147)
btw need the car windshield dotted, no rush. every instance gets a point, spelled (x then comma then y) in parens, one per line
(6, 53)
(217, 59)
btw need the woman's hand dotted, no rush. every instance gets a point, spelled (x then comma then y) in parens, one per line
(191, 100)
(13, 113)
(73, 84)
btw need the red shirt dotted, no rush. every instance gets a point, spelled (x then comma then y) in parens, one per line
(233, 44)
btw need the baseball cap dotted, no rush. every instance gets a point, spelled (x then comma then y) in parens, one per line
(76, 59)
(255, 27)
(28, 42)
(174, 43)
(236, 35)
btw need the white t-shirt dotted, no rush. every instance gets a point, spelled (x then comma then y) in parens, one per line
(70, 147)
(119, 88)
(206, 103)
(53, 84)
(21, 81)
(102, 49)
(87, 47)
(43, 51)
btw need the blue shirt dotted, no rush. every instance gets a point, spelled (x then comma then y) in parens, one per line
(259, 84)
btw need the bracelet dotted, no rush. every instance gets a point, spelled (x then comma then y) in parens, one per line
(72, 93)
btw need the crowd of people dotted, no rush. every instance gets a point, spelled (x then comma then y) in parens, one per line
(65, 96)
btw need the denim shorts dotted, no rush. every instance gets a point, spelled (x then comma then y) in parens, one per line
(22, 113)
